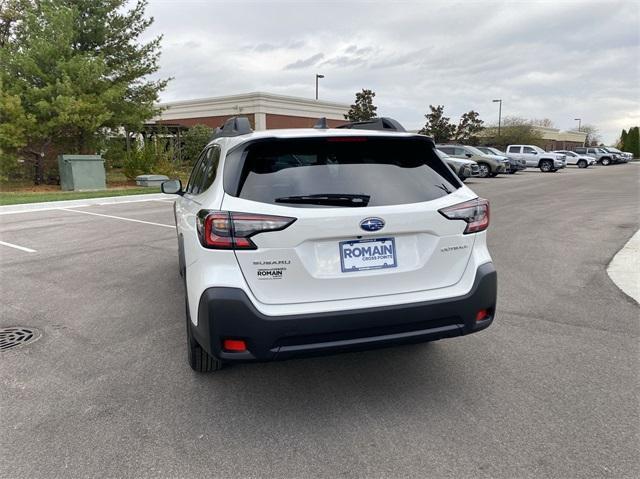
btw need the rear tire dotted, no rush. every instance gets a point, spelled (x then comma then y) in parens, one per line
(484, 170)
(546, 166)
(493, 175)
(582, 164)
(199, 360)
(606, 161)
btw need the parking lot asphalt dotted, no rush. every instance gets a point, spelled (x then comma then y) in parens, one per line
(551, 389)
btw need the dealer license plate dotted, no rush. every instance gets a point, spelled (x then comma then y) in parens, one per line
(363, 255)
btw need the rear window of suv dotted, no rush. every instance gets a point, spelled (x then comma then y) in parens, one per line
(338, 171)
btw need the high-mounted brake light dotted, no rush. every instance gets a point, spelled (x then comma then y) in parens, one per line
(474, 212)
(346, 139)
(230, 230)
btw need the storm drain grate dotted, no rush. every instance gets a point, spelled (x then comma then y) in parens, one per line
(17, 336)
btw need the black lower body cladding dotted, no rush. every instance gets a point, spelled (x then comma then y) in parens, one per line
(227, 313)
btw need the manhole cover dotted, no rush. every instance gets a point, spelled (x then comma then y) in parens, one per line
(17, 336)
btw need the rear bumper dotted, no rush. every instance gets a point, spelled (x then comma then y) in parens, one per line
(227, 313)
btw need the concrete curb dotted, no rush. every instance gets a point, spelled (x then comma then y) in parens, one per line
(53, 205)
(624, 269)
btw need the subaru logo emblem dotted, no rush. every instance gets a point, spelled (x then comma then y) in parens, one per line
(372, 224)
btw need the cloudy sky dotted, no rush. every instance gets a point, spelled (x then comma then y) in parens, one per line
(546, 59)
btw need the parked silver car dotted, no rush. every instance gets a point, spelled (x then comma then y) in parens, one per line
(623, 157)
(462, 167)
(601, 155)
(515, 164)
(490, 165)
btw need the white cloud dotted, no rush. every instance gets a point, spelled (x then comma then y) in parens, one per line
(557, 60)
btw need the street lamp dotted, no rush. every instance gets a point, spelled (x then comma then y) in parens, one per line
(499, 114)
(579, 120)
(317, 77)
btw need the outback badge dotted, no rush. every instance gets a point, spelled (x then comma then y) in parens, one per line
(372, 224)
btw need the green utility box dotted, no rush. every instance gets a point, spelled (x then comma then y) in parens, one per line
(81, 172)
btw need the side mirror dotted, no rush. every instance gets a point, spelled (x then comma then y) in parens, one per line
(468, 155)
(172, 187)
(534, 153)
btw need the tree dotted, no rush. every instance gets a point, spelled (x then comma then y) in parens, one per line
(10, 15)
(363, 109)
(437, 125)
(514, 130)
(469, 127)
(14, 125)
(632, 142)
(79, 69)
(593, 135)
(544, 122)
(194, 140)
(104, 27)
(622, 140)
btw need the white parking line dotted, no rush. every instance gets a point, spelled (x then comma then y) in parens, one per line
(55, 205)
(21, 248)
(117, 218)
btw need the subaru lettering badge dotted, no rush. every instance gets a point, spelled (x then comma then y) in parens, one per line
(372, 224)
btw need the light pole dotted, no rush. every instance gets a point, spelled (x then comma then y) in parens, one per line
(579, 120)
(499, 114)
(317, 77)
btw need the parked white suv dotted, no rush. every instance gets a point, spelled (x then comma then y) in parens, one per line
(536, 157)
(573, 158)
(307, 241)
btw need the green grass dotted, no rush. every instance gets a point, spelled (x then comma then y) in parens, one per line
(21, 197)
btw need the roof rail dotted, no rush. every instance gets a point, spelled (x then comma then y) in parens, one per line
(384, 123)
(234, 126)
(321, 124)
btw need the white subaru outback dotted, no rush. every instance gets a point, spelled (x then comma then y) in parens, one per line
(310, 241)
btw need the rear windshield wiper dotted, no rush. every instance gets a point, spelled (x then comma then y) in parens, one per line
(443, 187)
(329, 199)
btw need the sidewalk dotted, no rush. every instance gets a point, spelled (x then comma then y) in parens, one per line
(52, 205)
(624, 269)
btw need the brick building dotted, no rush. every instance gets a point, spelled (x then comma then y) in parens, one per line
(554, 139)
(265, 111)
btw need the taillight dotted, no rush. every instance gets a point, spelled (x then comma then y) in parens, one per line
(474, 212)
(230, 230)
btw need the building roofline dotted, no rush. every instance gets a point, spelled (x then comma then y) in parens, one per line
(257, 95)
(259, 103)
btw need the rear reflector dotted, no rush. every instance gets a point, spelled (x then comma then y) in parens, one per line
(482, 314)
(234, 345)
(475, 213)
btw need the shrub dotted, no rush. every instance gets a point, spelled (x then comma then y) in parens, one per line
(139, 161)
(115, 152)
(194, 141)
(165, 164)
(9, 166)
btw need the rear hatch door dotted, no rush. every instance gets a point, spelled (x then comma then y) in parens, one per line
(367, 220)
